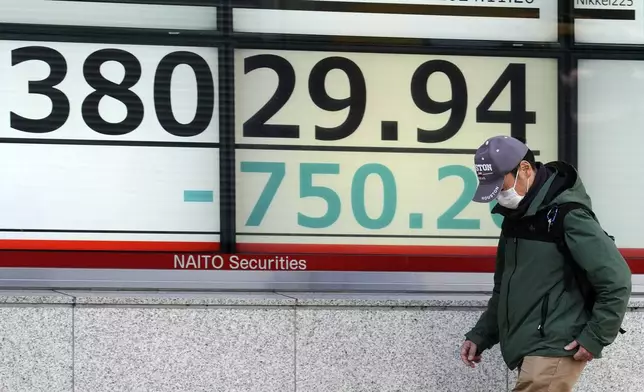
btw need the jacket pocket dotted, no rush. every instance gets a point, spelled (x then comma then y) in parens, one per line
(544, 314)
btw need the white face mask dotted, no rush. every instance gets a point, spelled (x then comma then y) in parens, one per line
(510, 198)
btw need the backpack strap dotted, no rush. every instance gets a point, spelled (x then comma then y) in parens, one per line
(555, 218)
(574, 275)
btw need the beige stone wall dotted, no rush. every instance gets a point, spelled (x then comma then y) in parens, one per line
(263, 342)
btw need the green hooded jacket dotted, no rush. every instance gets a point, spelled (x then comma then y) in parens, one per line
(529, 286)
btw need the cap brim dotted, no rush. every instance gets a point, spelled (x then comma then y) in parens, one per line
(487, 192)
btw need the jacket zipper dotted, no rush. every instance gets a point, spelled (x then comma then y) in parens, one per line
(544, 314)
(507, 295)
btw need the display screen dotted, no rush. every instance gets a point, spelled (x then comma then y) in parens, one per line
(530, 20)
(109, 143)
(109, 13)
(609, 21)
(366, 148)
(610, 119)
(341, 150)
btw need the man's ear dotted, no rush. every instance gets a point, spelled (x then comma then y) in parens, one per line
(525, 167)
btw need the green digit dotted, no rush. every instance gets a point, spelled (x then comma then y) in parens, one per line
(448, 220)
(358, 196)
(277, 171)
(307, 189)
(497, 218)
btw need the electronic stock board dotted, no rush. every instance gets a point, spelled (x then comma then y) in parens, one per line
(349, 169)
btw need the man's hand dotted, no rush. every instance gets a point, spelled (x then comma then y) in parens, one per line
(582, 354)
(468, 354)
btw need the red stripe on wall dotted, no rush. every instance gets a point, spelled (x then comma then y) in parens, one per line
(369, 249)
(154, 246)
(342, 249)
(203, 261)
(256, 262)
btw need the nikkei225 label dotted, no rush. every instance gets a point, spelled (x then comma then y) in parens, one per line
(353, 147)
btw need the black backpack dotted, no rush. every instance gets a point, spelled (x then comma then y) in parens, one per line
(547, 225)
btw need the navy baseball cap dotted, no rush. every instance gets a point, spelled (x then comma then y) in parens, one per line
(493, 160)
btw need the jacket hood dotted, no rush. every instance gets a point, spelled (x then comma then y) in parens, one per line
(566, 186)
(562, 185)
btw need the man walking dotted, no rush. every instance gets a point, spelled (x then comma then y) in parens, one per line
(561, 287)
